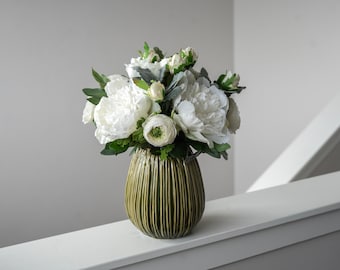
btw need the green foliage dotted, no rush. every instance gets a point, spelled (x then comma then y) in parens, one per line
(229, 85)
(100, 78)
(146, 52)
(159, 52)
(116, 147)
(165, 150)
(218, 151)
(141, 83)
(94, 94)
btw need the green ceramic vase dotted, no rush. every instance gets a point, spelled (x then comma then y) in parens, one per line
(164, 198)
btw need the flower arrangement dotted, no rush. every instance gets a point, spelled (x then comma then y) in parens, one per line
(165, 105)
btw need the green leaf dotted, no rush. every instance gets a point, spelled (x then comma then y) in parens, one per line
(108, 152)
(214, 153)
(230, 85)
(175, 79)
(146, 74)
(141, 83)
(146, 50)
(225, 155)
(179, 151)
(221, 147)
(159, 52)
(173, 93)
(204, 73)
(198, 146)
(94, 100)
(165, 150)
(100, 78)
(220, 79)
(116, 147)
(94, 92)
(137, 136)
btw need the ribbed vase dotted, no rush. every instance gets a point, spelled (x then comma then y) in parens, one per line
(164, 198)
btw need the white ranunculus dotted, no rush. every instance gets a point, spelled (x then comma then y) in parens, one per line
(88, 112)
(159, 130)
(201, 111)
(155, 68)
(116, 116)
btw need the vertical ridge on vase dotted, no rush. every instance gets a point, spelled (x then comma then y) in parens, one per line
(164, 198)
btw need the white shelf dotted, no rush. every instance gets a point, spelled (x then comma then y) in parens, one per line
(232, 229)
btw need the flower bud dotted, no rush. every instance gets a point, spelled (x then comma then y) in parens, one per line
(175, 62)
(156, 91)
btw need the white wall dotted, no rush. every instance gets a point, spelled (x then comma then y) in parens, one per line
(287, 53)
(53, 178)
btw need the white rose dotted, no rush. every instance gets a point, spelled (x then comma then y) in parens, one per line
(187, 51)
(156, 91)
(234, 83)
(116, 116)
(159, 130)
(181, 58)
(201, 111)
(88, 112)
(175, 62)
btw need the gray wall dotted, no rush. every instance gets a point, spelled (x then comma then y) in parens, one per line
(53, 179)
(287, 53)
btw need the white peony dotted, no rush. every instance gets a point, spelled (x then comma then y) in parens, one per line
(116, 116)
(201, 111)
(159, 130)
(88, 112)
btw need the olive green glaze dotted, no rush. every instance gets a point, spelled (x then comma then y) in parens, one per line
(164, 198)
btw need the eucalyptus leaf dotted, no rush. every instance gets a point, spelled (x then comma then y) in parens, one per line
(175, 80)
(204, 73)
(225, 155)
(174, 93)
(146, 75)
